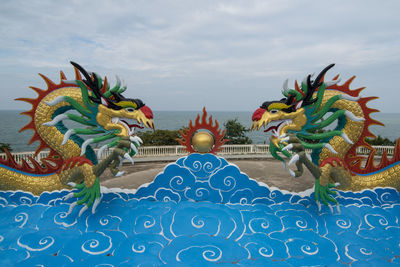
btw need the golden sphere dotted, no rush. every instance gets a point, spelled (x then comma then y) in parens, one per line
(202, 142)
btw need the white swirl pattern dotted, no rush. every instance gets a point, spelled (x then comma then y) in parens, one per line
(201, 211)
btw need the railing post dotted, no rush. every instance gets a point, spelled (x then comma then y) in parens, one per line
(154, 151)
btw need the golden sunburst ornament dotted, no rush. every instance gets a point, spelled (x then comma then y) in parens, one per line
(203, 137)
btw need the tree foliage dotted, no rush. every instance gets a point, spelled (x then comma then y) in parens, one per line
(236, 132)
(380, 141)
(159, 137)
(4, 146)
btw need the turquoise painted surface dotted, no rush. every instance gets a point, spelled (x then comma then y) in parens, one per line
(201, 211)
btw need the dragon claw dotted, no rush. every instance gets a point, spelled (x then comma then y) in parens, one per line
(95, 204)
(128, 157)
(285, 139)
(294, 159)
(319, 206)
(134, 148)
(324, 194)
(288, 147)
(70, 195)
(101, 150)
(330, 207)
(120, 173)
(89, 197)
(83, 209)
(338, 207)
(136, 139)
(71, 207)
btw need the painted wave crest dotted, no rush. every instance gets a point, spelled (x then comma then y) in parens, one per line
(201, 210)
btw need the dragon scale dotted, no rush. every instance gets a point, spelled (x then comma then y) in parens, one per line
(354, 129)
(50, 135)
(351, 128)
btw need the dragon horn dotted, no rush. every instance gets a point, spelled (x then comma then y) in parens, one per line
(285, 86)
(88, 80)
(321, 74)
(117, 86)
(82, 70)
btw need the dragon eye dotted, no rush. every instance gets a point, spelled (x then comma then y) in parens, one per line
(130, 109)
(273, 111)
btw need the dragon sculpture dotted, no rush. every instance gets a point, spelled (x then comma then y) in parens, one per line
(332, 121)
(101, 112)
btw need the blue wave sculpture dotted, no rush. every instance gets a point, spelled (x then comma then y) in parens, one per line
(201, 211)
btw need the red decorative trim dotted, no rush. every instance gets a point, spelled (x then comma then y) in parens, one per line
(48, 165)
(74, 162)
(330, 161)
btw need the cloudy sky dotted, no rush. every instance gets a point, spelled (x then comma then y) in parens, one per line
(183, 55)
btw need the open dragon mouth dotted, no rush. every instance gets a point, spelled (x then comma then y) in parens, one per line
(276, 127)
(130, 127)
(134, 125)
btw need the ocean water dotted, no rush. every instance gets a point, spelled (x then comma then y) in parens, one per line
(11, 121)
(201, 211)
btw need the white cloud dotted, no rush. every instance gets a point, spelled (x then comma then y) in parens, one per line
(169, 50)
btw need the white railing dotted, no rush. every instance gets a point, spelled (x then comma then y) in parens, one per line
(168, 151)
(379, 150)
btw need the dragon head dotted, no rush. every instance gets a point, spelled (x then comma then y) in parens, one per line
(115, 112)
(288, 114)
(103, 112)
(124, 116)
(298, 112)
(279, 117)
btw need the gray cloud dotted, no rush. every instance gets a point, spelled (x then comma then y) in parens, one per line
(182, 55)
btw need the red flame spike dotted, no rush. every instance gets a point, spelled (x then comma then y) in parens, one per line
(62, 76)
(48, 82)
(105, 86)
(77, 74)
(296, 86)
(46, 168)
(28, 100)
(34, 139)
(37, 90)
(29, 126)
(354, 161)
(37, 165)
(41, 147)
(26, 166)
(336, 77)
(385, 160)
